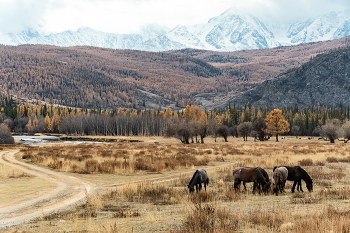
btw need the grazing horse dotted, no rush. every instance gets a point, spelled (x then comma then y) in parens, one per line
(250, 174)
(296, 174)
(280, 175)
(200, 176)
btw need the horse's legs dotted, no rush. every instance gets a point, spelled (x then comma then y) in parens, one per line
(200, 186)
(236, 184)
(245, 188)
(255, 186)
(283, 185)
(299, 186)
(293, 188)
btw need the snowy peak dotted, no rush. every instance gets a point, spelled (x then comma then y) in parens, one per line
(232, 30)
(90, 37)
(330, 26)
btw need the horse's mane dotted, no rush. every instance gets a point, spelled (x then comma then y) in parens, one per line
(194, 176)
(306, 177)
(261, 178)
(264, 173)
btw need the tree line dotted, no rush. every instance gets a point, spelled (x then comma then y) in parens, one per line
(190, 125)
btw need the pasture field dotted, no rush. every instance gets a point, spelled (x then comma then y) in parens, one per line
(143, 186)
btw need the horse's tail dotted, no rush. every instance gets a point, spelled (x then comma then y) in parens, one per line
(207, 180)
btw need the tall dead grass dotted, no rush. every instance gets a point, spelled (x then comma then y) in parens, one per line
(221, 209)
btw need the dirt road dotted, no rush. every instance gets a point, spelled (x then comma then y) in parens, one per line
(69, 191)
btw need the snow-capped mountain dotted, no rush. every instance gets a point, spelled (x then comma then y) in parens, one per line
(90, 37)
(331, 26)
(230, 31)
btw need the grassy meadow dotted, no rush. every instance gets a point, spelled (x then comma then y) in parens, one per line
(144, 186)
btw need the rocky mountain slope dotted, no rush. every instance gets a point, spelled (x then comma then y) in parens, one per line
(323, 81)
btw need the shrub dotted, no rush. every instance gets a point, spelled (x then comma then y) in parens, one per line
(206, 218)
(5, 135)
(306, 162)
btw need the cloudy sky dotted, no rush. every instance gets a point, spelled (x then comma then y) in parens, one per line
(127, 16)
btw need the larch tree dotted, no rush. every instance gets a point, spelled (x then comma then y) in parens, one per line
(276, 123)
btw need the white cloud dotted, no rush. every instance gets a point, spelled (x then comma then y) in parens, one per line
(17, 15)
(125, 16)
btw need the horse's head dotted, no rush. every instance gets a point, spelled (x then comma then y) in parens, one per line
(309, 186)
(267, 187)
(190, 188)
(275, 190)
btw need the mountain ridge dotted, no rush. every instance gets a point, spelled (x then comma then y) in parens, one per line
(230, 31)
(93, 77)
(322, 81)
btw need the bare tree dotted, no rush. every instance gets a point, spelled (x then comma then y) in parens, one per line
(258, 127)
(244, 130)
(5, 135)
(331, 130)
(346, 130)
(181, 131)
(233, 131)
(295, 130)
(222, 131)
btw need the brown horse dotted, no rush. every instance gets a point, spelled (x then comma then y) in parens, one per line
(250, 174)
(296, 174)
(280, 175)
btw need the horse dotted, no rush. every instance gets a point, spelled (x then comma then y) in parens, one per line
(296, 174)
(200, 176)
(264, 173)
(280, 175)
(251, 174)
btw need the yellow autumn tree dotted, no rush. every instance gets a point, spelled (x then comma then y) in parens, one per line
(168, 113)
(218, 120)
(276, 123)
(48, 124)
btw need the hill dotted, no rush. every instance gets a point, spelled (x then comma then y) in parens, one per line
(323, 81)
(91, 77)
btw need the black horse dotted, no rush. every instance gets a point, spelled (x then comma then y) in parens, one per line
(296, 174)
(200, 176)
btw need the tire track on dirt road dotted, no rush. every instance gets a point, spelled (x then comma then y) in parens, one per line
(69, 191)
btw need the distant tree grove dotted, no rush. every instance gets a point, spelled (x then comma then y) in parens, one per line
(190, 125)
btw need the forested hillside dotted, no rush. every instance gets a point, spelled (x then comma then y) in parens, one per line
(245, 69)
(103, 78)
(90, 77)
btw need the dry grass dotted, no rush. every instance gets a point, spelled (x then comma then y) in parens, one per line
(168, 207)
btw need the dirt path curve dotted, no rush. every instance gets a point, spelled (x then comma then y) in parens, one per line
(68, 192)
